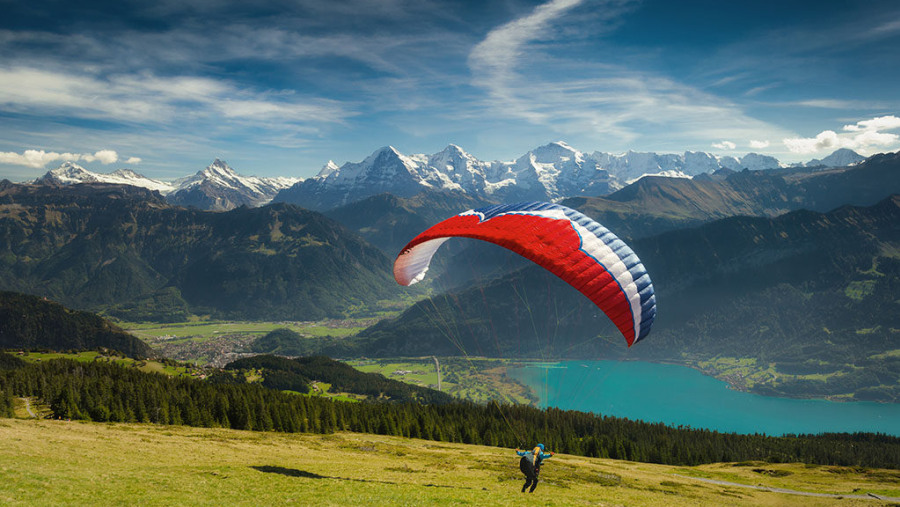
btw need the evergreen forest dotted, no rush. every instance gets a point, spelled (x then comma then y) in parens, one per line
(101, 391)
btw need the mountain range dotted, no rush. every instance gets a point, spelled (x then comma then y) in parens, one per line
(124, 250)
(768, 265)
(549, 172)
(218, 187)
(648, 206)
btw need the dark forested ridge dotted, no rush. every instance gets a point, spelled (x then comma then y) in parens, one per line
(296, 374)
(103, 391)
(125, 251)
(30, 322)
(812, 292)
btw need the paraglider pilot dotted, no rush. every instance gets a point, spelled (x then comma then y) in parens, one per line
(530, 465)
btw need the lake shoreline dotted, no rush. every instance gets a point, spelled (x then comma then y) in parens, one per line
(679, 394)
(735, 382)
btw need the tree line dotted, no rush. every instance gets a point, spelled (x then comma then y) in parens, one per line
(31, 322)
(100, 391)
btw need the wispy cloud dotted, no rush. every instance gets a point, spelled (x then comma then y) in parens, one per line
(845, 104)
(149, 98)
(528, 74)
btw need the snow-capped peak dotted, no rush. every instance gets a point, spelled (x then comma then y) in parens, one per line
(220, 175)
(327, 169)
(70, 173)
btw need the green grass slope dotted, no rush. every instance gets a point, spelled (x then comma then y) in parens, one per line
(73, 463)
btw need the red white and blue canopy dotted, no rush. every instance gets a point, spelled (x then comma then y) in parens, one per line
(570, 245)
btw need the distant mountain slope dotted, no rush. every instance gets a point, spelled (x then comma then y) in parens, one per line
(30, 322)
(124, 250)
(389, 222)
(656, 204)
(862, 184)
(776, 290)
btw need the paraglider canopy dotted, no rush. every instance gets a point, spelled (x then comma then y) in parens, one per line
(570, 245)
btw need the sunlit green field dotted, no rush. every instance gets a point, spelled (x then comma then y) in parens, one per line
(46, 462)
(478, 380)
(150, 366)
(206, 330)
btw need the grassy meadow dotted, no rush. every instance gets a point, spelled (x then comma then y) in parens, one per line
(46, 462)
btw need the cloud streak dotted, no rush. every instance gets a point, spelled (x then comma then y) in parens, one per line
(150, 98)
(524, 68)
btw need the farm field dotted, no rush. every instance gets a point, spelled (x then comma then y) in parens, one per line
(46, 462)
(473, 379)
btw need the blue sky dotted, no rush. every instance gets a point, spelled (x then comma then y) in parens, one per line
(164, 87)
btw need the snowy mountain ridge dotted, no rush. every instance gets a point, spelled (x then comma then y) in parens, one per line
(217, 187)
(546, 173)
(549, 172)
(70, 173)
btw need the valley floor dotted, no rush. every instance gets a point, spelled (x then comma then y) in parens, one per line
(46, 462)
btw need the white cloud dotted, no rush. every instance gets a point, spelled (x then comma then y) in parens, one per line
(724, 145)
(880, 123)
(102, 156)
(39, 158)
(133, 160)
(758, 145)
(825, 140)
(865, 135)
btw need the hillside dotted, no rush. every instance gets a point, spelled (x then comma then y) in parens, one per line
(166, 465)
(809, 298)
(299, 373)
(105, 391)
(389, 222)
(125, 251)
(29, 322)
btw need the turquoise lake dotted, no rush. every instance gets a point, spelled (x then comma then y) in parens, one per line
(678, 395)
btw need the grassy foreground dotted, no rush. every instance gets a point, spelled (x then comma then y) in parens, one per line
(45, 462)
